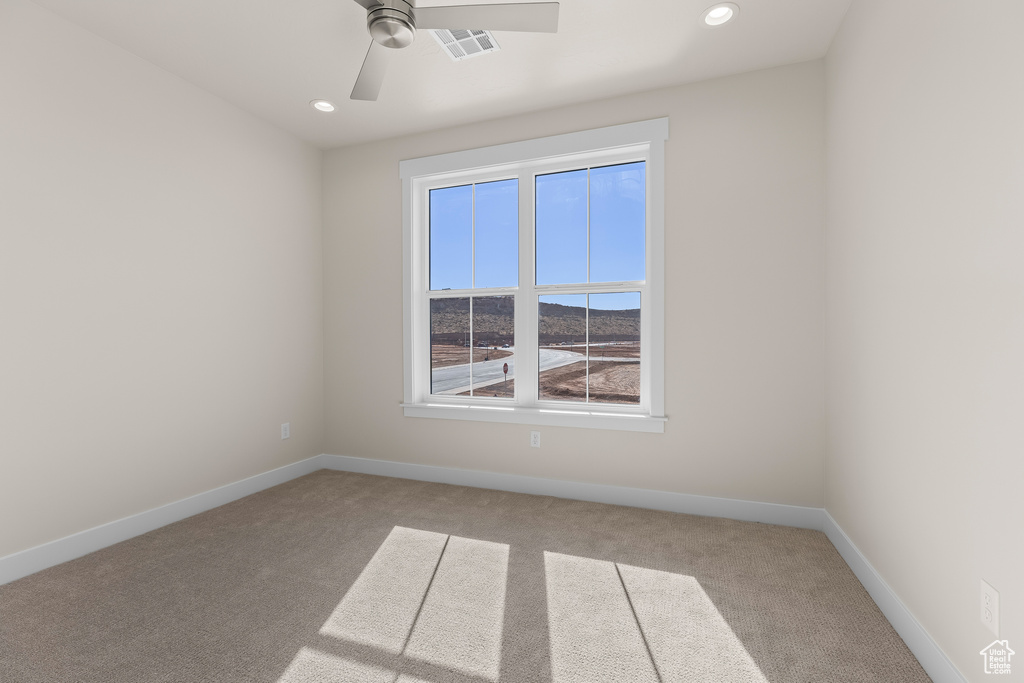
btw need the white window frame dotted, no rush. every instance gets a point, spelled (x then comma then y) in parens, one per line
(641, 141)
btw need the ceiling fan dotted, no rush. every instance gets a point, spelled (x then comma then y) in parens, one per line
(393, 23)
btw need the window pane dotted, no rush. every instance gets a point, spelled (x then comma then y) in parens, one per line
(496, 240)
(615, 348)
(494, 322)
(618, 199)
(449, 345)
(451, 238)
(562, 337)
(562, 228)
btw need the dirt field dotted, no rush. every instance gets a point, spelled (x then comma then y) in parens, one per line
(499, 390)
(610, 382)
(442, 355)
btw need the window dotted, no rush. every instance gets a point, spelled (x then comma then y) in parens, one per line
(534, 281)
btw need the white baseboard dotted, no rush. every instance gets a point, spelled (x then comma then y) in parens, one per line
(748, 511)
(32, 560)
(935, 662)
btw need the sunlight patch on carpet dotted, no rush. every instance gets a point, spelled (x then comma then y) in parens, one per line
(687, 635)
(381, 606)
(612, 622)
(313, 666)
(461, 622)
(594, 637)
(431, 597)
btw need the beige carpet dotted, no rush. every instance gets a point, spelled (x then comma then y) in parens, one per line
(338, 578)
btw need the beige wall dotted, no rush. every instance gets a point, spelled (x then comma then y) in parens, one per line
(925, 262)
(744, 290)
(160, 286)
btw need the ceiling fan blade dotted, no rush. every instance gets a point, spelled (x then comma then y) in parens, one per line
(372, 74)
(368, 4)
(541, 17)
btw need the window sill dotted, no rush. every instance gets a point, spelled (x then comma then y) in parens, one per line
(591, 419)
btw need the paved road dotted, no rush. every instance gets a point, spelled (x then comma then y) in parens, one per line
(454, 379)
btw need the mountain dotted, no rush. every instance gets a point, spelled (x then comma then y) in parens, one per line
(493, 322)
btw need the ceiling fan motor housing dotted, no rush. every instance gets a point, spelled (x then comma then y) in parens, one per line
(392, 24)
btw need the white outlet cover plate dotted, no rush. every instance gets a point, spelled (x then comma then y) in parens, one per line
(990, 607)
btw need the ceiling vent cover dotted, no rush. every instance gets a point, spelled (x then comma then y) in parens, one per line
(463, 43)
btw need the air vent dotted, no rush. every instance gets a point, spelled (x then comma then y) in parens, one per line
(461, 43)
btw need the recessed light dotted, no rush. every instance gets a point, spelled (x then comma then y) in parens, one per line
(716, 15)
(322, 105)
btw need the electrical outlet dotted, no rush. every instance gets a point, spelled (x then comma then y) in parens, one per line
(990, 607)
(286, 430)
(535, 439)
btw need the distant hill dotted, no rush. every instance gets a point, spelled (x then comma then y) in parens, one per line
(493, 322)
(560, 323)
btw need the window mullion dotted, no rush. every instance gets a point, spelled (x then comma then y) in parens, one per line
(462, 293)
(526, 302)
(472, 343)
(472, 283)
(595, 288)
(422, 307)
(586, 341)
(472, 242)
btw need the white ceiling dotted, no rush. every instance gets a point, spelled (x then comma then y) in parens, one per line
(271, 57)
